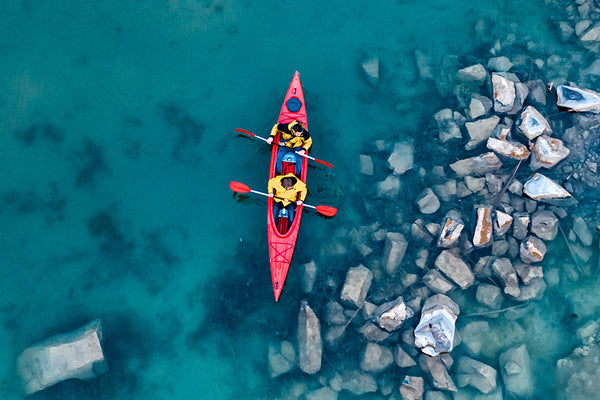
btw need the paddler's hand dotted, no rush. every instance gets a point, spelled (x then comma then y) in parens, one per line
(299, 202)
(270, 140)
(271, 195)
(301, 152)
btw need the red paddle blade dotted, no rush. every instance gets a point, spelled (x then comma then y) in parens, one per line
(238, 187)
(326, 210)
(324, 163)
(245, 131)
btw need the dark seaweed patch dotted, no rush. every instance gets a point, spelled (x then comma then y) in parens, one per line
(91, 162)
(188, 133)
(113, 242)
(43, 131)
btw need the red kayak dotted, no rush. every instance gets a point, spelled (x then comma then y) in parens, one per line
(282, 236)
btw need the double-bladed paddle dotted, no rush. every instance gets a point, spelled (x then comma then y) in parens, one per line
(302, 155)
(241, 188)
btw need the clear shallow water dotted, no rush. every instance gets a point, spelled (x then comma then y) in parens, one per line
(117, 146)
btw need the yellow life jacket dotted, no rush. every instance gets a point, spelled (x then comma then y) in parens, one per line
(286, 196)
(292, 141)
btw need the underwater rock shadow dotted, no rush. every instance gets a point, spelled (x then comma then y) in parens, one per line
(188, 133)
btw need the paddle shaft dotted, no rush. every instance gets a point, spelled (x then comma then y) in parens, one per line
(282, 145)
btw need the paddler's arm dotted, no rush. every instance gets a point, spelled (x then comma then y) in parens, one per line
(271, 186)
(307, 144)
(302, 193)
(274, 130)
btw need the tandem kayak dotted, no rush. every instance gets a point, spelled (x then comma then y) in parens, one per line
(282, 238)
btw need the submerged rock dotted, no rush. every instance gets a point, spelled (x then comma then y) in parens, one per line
(402, 158)
(435, 333)
(544, 224)
(438, 372)
(452, 265)
(436, 282)
(479, 165)
(533, 124)
(479, 131)
(428, 202)
(357, 285)
(366, 164)
(447, 125)
(502, 222)
(376, 358)
(473, 74)
(358, 382)
(310, 345)
(532, 250)
(539, 187)
(578, 375)
(73, 355)
(489, 295)
(309, 274)
(370, 69)
(389, 187)
(515, 366)
(476, 374)
(573, 99)
(411, 388)
(393, 251)
(282, 358)
(504, 270)
(402, 358)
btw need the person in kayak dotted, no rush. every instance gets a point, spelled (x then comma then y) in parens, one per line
(293, 138)
(286, 189)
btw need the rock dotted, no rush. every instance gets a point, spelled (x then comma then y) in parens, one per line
(324, 393)
(532, 250)
(428, 202)
(310, 345)
(582, 231)
(476, 374)
(503, 269)
(508, 149)
(479, 165)
(334, 313)
(504, 93)
(402, 358)
(475, 184)
(578, 375)
(489, 295)
(534, 290)
(411, 388)
(566, 31)
(373, 333)
(475, 336)
(499, 64)
(309, 274)
(502, 223)
(482, 234)
(447, 126)
(358, 383)
(533, 124)
(370, 69)
(473, 74)
(521, 225)
(582, 26)
(389, 188)
(549, 151)
(447, 190)
(391, 315)
(366, 165)
(335, 334)
(282, 358)
(479, 131)
(437, 370)
(452, 226)
(539, 187)
(455, 268)
(357, 285)
(476, 108)
(435, 333)
(376, 358)
(573, 99)
(544, 224)
(537, 91)
(436, 282)
(515, 366)
(74, 355)
(393, 251)
(528, 272)
(422, 64)
(402, 158)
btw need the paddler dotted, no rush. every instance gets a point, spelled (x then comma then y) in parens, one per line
(286, 189)
(293, 138)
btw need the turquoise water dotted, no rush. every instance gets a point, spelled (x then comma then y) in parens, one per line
(117, 137)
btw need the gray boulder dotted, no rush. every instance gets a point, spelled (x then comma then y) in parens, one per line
(282, 358)
(324, 393)
(435, 332)
(357, 285)
(448, 127)
(499, 64)
(391, 315)
(489, 295)
(73, 355)
(402, 358)
(549, 151)
(574, 99)
(483, 232)
(428, 202)
(358, 382)
(502, 222)
(309, 274)
(508, 149)
(366, 164)
(504, 93)
(582, 231)
(539, 187)
(402, 158)
(479, 165)
(452, 227)
(479, 131)
(472, 74)
(436, 282)
(476, 374)
(544, 224)
(375, 358)
(502, 268)
(521, 225)
(533, 124)
(389, 187)
(452, 265)
(310, 345)
(532, 250)
(438, 372)
(393, 251)
(411, 388)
